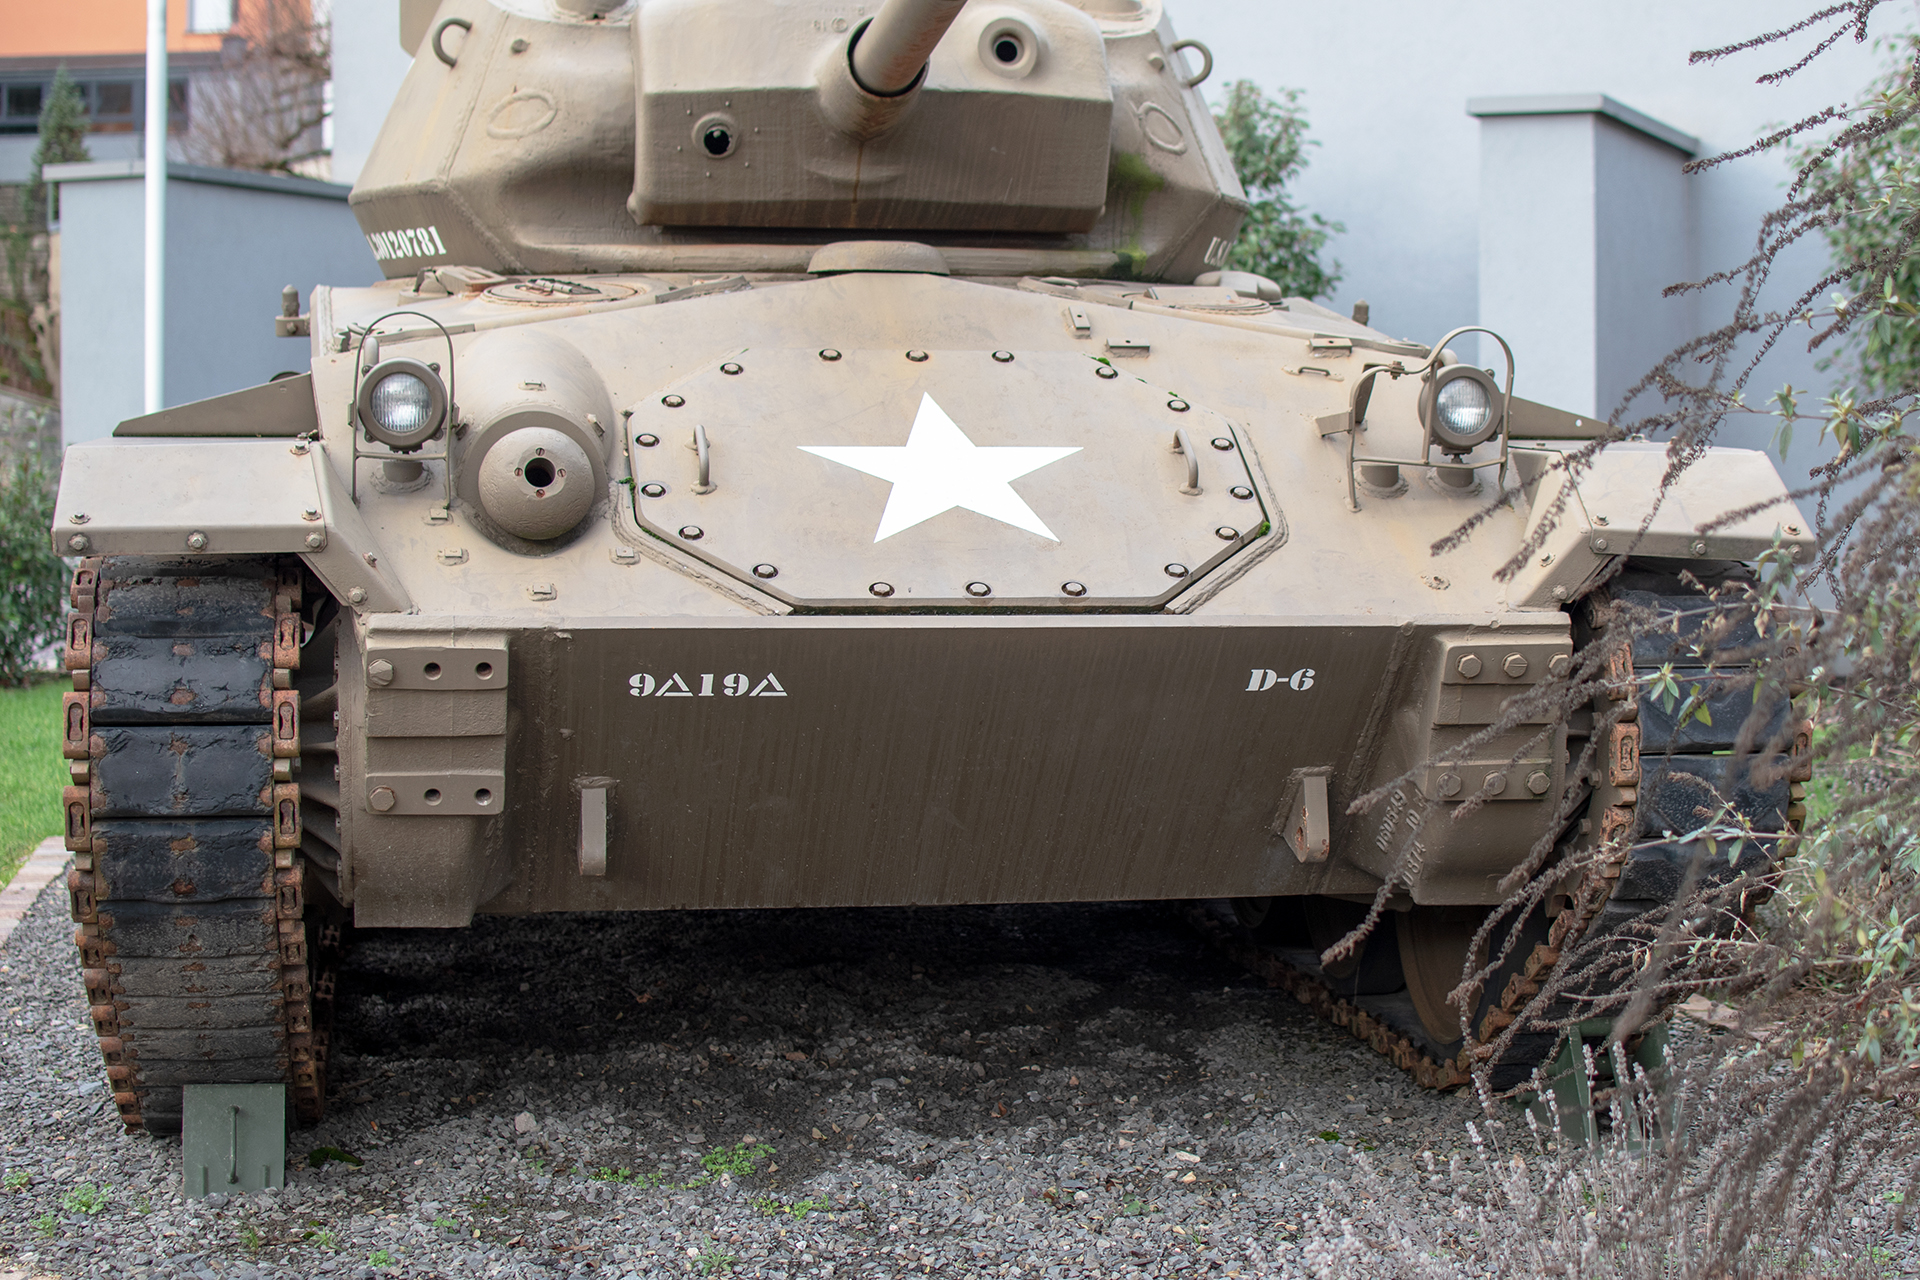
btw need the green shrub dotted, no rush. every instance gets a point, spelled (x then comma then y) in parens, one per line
(33, 581)
(1267, 140)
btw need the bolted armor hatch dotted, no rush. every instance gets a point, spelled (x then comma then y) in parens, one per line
(942, 479)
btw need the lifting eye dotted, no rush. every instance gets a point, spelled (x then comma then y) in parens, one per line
(718, 140)
(1007, 49)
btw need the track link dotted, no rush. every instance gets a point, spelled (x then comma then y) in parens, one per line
(1654, 774)
(182, 735)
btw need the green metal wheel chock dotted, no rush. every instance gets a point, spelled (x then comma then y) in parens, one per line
(233, 1138)
(1569, 1090)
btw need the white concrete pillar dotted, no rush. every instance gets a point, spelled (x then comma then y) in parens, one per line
(1585, 220)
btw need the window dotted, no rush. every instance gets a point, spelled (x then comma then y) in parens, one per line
(209, 16)
(113, 102)
(23, 102)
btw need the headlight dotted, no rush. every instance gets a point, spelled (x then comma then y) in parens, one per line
(402, 403)
(1460, 408)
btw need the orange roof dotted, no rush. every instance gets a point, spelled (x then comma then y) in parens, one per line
(78, 28)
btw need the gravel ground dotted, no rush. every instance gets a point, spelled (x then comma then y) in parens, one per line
(1037, 1090)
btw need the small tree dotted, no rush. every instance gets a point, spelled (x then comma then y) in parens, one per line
(63, 136)
(1267, 140)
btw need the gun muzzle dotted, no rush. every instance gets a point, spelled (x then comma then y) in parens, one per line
(895, 46)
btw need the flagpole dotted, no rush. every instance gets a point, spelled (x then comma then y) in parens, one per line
(156, 193)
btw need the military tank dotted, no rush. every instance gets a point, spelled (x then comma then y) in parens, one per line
(809, 453)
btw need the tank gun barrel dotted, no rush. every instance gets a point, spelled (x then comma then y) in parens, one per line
(894, 48)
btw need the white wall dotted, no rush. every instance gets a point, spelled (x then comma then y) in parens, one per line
(368, 65)
(1386, 86)
(16, 151)
(233, 241)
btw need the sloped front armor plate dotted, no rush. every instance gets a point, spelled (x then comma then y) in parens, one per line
(875, 481)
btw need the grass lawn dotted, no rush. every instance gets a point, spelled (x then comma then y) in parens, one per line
(31, 770)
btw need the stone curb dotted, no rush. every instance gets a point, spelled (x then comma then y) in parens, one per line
(46, 862)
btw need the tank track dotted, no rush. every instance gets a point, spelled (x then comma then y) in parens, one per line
(1628, 880)
(189, 886)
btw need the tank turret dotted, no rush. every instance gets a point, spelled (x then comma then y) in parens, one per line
(1020, 137)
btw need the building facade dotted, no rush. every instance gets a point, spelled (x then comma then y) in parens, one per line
(220, 94)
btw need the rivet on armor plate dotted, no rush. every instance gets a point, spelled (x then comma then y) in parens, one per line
(673, 402)
(1559, 664)
(765, 571)
(381, 799)
(1538, 782)
(1226, 534)
(1241, 492)
(646, 439)
(1699, 546)
(1222, 443)
(979, 589)
(1004, 357)
(1599, 544)
(1469, 665)
(829, 354)
(916, 356)
(692, 532)
(1106, 371)
(1515, 665)
(78, 517)
(881, 589)
(316, 541)
(653, 490)
(1176, 571)
(380, 672)
(78, 542)
(1496, 783)
(730, 367)
(310, 514)
(357, 595)
(196, 541)
(1075, 589)
(1178, 406)
(1449, 785)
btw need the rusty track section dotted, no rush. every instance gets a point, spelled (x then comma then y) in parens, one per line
(182, 735)
(1630, 876)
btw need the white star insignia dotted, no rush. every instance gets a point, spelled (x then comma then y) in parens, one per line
(938, 469)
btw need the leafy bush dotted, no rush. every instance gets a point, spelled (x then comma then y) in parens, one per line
(1268, 142)
(1870, 190)
(33, 581)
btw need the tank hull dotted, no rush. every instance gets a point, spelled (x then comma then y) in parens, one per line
(833, 762)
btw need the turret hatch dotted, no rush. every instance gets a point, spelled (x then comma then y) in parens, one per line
(943, 479)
